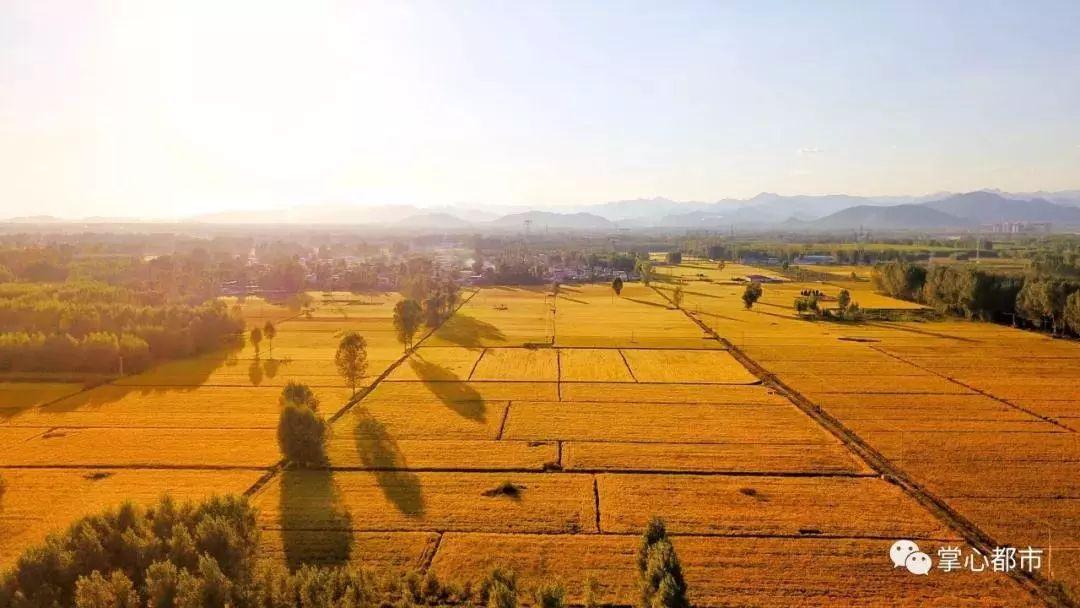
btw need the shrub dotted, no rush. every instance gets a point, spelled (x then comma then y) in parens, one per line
(751, 294)
(499, 589)
(550, 595)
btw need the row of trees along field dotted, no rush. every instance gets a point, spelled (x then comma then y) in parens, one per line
(1041, 300)
(89, 326)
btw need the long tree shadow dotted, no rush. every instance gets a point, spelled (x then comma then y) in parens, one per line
(464, 330)
(255, 372)
(656, 304)
(379, 452)
(698, 293)
(316, 528)
(272, 366)
(451, 390)
(195, 372)
(923, 332)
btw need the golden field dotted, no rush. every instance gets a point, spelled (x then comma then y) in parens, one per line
(190, 428)
(41, 500)
(983, 416)
(542, 431)
(17, 395)
(725, 571)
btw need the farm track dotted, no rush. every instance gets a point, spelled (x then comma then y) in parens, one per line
(1041, 588)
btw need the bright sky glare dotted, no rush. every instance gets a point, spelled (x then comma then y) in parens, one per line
(147, 108)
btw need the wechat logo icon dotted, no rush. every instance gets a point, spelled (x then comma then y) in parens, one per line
(906, 554)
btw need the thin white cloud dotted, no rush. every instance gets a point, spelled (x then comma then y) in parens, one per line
(810, 151)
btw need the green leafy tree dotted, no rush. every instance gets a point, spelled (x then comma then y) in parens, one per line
(407, 318)
(645, 271)
(351, 358)
(899, 279)
(617, 285)
(162, 584)
(677, 296)
(298, 392)
(1040, 300)
(1071, 313)
(843, 300)
(96, 591)
(751, 294)
(302, 435)
(660, 574)
(433, 310)
(451, 297)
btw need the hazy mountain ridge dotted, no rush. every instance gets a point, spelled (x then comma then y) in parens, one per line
(762, 211)
(541, 220)
(907, 216)
(988, 207)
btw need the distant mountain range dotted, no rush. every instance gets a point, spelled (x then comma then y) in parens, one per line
(766, 211)
(969, 210)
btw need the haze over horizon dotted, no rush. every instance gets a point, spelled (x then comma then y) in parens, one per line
(161, 110)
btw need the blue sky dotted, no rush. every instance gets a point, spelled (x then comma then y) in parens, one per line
(169, 109)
